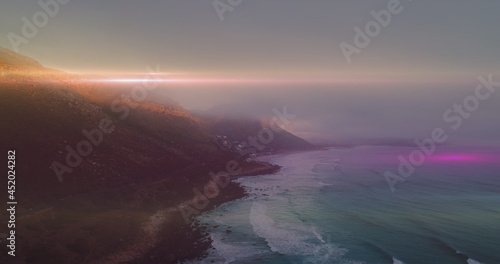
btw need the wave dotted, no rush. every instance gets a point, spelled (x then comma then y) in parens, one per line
(452, 249)
(294, 240)
(285, 240)
(318, 236)
(383, 254)
(324, 184)
(396, 261)
(469, 260)
(227, 253)
(233, 251)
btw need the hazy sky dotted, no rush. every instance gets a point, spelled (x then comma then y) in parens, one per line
(261, 36)
(426, 59)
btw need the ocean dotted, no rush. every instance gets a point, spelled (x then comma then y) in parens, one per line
(335, 206)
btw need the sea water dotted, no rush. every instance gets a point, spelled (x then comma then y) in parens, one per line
(335, 206)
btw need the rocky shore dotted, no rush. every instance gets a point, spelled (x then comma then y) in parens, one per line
(168, 238)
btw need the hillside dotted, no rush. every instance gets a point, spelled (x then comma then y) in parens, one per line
(9, 60)
(88, 177)
(244, 131)
(44, 120)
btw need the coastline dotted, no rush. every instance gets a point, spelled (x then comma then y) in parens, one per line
(168, 238)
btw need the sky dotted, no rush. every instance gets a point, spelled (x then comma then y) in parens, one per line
(266, 54)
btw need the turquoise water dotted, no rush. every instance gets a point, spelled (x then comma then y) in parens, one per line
(334, 206)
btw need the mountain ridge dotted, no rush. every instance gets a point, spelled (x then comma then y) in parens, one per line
(88, 195)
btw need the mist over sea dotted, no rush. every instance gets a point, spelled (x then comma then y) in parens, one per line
(335, 206)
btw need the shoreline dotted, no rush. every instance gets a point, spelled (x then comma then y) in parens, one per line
(167, 238)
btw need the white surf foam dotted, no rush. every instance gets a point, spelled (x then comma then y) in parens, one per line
(396, 261)
(321, 183)
(233, 251)
(292, 239)
(471, 261)
(318, 236)
(278, 239)
(227, 253)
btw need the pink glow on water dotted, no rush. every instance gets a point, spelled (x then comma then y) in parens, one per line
(456, 157)
(462, 157)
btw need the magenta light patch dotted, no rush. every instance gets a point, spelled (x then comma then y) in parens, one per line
(456, 157)
(461, 157)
